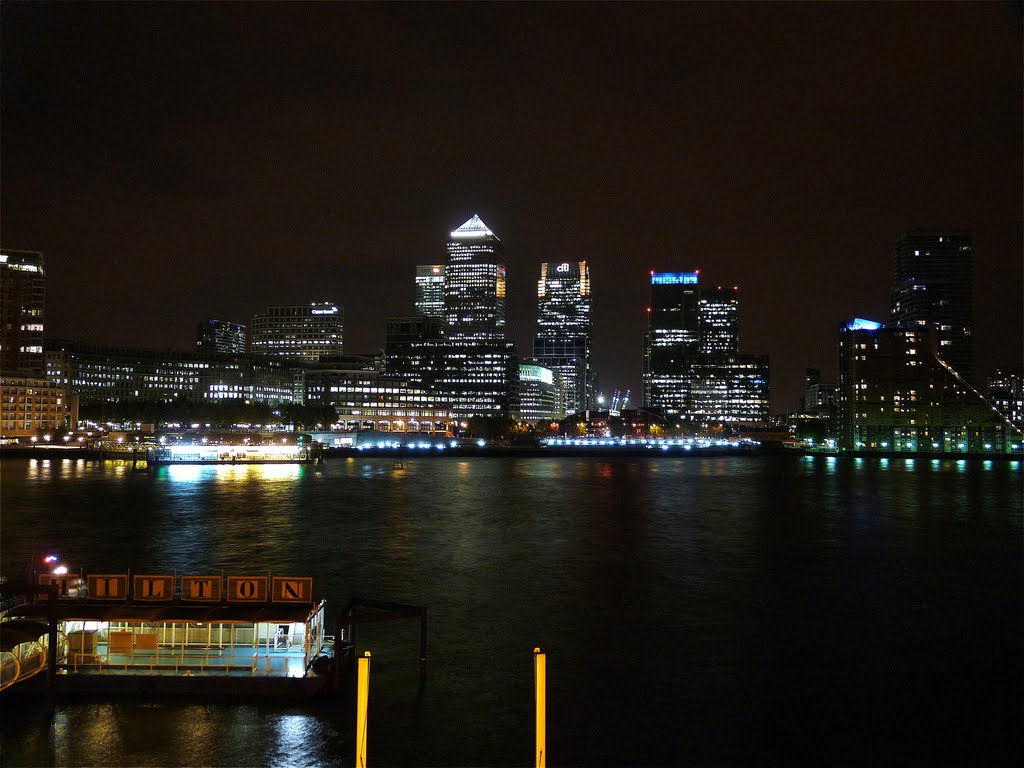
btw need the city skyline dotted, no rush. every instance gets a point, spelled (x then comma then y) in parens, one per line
(755, 143)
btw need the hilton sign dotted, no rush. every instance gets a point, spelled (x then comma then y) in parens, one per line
(156, 588)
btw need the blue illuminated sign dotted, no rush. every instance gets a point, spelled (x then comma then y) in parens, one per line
(860, 324)
(674, 278)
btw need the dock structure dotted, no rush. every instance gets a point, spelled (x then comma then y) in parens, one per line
(213, 635)
(168, 633)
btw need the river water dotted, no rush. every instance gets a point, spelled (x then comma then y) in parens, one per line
(695, 611)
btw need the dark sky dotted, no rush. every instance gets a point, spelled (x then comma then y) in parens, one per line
(176, 162)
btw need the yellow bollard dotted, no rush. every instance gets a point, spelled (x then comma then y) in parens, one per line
(362, 700)
(540, 686)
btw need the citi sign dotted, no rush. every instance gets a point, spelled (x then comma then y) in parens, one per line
(156, 588)
(563, 268)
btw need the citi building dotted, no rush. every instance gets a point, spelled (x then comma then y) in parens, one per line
(563, 340)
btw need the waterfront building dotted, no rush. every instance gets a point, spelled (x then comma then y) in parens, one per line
(299, 332)
(480, 369)
(367, 399)
(22, 311)
(112, 374)
(563, 339)
(540, 394)
(718, 312)
(933, 284)
(34, 407)
(221, 336)
(430, 290)
(729, 389)
(896, 393)
(1006, 392)
(672, 341)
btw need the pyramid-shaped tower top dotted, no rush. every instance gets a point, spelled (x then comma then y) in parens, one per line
(475, 227)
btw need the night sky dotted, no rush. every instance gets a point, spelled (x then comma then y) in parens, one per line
(178, 162)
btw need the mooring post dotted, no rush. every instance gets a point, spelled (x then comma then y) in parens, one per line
(540, 675)
(362, 702)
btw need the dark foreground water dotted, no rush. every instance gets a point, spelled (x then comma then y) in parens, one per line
(725, 611)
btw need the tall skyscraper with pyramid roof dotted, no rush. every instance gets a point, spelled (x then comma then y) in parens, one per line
(474, 290)
(481, 367)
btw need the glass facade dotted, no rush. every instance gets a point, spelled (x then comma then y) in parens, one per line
(304, 332)
(540, 394)
(563, 340)
(693, 369)
(719, 316)
(474, 287)
(671, 341)
(430, 290)
(480, 373)
(222, 336)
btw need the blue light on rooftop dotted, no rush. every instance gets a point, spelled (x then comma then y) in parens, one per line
(674, 278)
(860, 324)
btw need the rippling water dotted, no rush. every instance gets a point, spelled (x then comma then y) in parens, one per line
(713, 611)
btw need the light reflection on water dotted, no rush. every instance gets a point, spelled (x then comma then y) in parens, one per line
(689, 606)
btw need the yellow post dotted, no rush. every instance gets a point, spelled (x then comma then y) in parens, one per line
(362, 699)
(540, 685)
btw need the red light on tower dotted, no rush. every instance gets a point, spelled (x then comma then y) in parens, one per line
(648, 310)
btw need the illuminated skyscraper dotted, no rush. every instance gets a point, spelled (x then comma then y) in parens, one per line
(481, 370)
(933, 284)
(719, 316)
(693, 369)
(430, 290)
(563, 341)
(671, 341)
(22, 303)
(474, 284)
(303, 332)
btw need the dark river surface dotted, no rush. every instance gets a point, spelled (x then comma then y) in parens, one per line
(773, 610)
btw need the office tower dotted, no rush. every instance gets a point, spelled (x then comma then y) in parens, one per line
(897, 394)
(718, 313)
(562, 342)
(728, 389)
(430, 290)
(480, 372)
(306, 332)
(414, 349)
(540, 394)
(221, 336)
(474, 284)
(671, 341)
(22, 305)
(933, 283)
